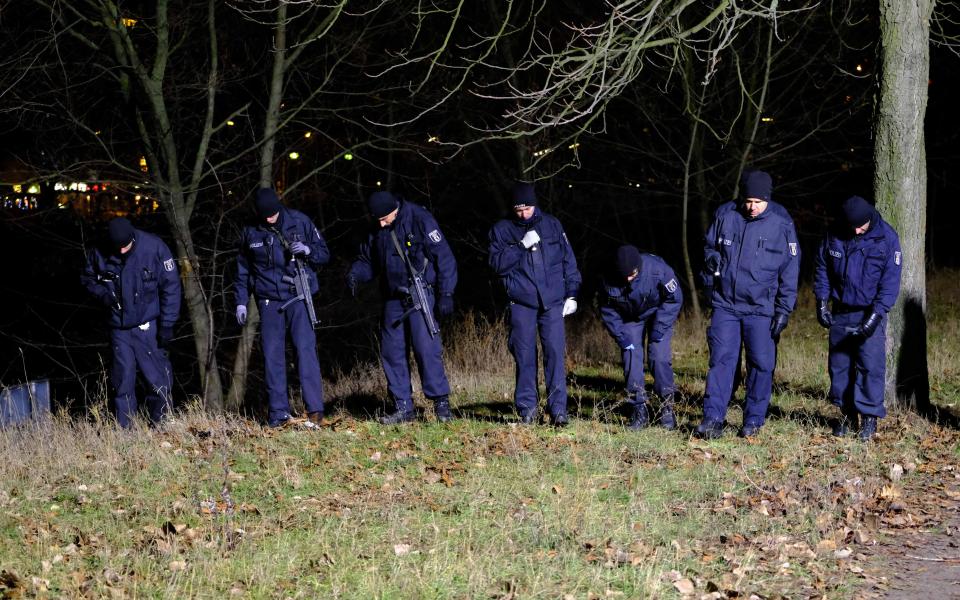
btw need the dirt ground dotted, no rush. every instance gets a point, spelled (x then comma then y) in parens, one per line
(921, 562)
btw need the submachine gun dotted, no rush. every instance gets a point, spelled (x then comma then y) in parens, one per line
(417, 290)
(300, 282)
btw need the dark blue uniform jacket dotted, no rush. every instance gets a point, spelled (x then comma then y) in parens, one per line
(140, 286)
(654, 290)
(759, 261)
(262, 261)
(427, 247)
(860, 272)
(541, 277)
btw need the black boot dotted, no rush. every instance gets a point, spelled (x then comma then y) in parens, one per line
(560, 419)
(668, 419)
(397, 417)
(868, 427)
(441, 407)
(640, 417)
(708, 429)
(849, 420)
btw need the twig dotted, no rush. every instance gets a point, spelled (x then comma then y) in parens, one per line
(948, 559)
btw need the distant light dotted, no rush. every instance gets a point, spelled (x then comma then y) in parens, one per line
(59, 187)
(859, 68)
(294, 155)
(348, 156)
(33, 189)
(379, 184)
(308, 134)
(574, 146)
(137, 198)
(569, 185)
(432, 139)
(143, 164)
(128, 22)
(767, 119)
(230, 123)
(17, 188)
(543, 152)
(97, 132)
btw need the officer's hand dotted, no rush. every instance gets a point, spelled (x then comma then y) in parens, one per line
(445, 305)
(530, 238)
(352, 284)
(656, 335)
(569, 307)
(778, 324)
(164, 335)
(868, 326)
(713, 264)
(299, 248)
(241, 314)
(824, 316)
(630, 347)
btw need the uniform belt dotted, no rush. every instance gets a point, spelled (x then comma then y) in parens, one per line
(840, 309)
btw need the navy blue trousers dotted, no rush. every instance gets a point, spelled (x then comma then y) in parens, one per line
(274, 327)
(659, 359)
(857, 366)
(724, 335)
(525, 322)
(135, 349)
(396, 340)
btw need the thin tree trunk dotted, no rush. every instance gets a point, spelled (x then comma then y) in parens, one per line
(757, 111)
(687, 264)
(241, 361)
(900, 182)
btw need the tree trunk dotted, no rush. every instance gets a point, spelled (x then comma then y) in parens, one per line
(900, 187)
(241, 361)
(201, 316)
(695, 147)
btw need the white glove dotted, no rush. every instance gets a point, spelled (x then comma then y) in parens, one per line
(530, 238)
(569, 306)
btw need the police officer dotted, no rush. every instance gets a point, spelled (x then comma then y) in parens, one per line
(535, 263)
(643, 297)
(752, 263)
(268, 252)
(856, 283)
(408, 232)
(136, 279)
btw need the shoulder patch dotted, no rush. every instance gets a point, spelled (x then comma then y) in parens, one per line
(897, 257)
(168, 264)
(671, 286)
(434, 236)
(793, 248)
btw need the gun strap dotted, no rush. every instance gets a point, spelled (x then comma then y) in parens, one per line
(398, 245)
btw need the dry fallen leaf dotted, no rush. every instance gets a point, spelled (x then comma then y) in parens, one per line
(684, 586)
(177, 565)
(401, 549)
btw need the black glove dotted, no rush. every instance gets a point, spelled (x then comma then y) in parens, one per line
(824, 316)
(868, 326)
(352, 285)
(445, 305)
(778, 324)
(164, 335)
(712, 264)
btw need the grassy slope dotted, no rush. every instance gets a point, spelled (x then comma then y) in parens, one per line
(478, 508)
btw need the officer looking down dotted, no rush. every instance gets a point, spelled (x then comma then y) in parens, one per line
(856, 283)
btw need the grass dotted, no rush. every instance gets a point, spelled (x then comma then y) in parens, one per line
(219, 507)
